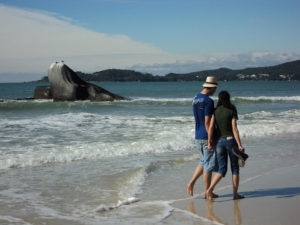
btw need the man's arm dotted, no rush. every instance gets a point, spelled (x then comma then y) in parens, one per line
(207, 122)
(210, 132)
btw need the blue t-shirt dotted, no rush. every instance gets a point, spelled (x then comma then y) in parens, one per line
(202, 106)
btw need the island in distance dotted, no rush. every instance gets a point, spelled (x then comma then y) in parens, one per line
(285, 71)
(66, 85)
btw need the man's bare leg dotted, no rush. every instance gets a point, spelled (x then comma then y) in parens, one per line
(235, 185)
(198, 172)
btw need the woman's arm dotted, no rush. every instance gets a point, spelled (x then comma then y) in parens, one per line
(237, 135)
(210, 133)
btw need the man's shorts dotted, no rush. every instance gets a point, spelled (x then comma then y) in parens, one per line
(207, 157)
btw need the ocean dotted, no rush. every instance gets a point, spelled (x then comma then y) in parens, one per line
(125, 162)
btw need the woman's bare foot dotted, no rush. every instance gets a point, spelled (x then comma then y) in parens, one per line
(190, 188)
(237, 196)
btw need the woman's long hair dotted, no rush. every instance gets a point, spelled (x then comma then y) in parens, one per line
(224, 100)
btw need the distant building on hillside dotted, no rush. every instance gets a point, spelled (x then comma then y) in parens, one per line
(282, 76)
(286, 77)
(264, 76)
(241, 76)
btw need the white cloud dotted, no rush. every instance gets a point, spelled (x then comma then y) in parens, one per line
(29, 40)
(33, 34)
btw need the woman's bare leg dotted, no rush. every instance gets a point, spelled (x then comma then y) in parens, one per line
(215, 181)
(235, 185)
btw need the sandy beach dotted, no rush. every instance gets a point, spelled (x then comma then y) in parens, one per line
(271, 197)
(271, 187)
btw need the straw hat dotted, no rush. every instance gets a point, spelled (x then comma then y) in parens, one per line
(211, 82)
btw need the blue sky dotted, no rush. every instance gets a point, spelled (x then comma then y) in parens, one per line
(156, 36)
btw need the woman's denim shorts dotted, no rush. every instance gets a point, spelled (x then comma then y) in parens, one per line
(224, 149)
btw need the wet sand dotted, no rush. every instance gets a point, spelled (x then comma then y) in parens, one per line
(270, 182)
(271, 198)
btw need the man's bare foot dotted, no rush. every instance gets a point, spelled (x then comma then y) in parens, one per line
(237, 196)
(190, 189)
(212, 195)
(209, 195)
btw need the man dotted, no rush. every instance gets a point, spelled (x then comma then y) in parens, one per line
(203, 108)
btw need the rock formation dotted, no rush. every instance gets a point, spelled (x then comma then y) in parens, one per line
(65, 85)
(42, 92)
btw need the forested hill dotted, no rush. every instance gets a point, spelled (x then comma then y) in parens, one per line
(289, 70)
(285, 71)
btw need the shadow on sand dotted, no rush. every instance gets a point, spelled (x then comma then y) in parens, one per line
(287, 192)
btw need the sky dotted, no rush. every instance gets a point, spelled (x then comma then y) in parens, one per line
(153, 36)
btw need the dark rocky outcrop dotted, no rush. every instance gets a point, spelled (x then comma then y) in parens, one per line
(42, 92)
(65, 85)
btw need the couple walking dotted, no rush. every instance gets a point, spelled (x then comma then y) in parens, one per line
(217, 137)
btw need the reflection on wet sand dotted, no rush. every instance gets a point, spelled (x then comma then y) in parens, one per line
(209, 214)
(237, 213)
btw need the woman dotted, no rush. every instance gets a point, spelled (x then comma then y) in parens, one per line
(224, 120)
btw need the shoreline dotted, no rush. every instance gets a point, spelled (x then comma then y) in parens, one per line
(272, 192)
(267, 201)
(271, 187)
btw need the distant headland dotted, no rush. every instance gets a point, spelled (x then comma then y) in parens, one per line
(285, 71)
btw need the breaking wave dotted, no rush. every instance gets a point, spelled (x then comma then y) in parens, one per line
(267, 99)
(75, 136)
(260, 124)
(49, 104)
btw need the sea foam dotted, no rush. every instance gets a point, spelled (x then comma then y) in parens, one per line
(260, 124)
(67, 137)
